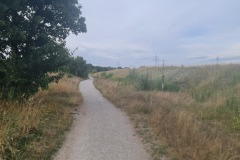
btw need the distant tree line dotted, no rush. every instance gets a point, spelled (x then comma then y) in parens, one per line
(94, 69)
(77, 66)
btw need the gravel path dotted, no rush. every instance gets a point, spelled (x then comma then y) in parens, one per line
(100, 132)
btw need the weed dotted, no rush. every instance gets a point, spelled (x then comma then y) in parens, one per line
(236, 120)
(35, 129)
(106, 75)
(196, 117)
(147, 82)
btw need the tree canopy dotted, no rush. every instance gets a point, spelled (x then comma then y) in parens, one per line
(76, 66)
(32, 42)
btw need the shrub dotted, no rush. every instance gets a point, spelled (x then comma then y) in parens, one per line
(236, 122)
(106, 75)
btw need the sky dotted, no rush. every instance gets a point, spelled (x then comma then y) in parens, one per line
(137, 32)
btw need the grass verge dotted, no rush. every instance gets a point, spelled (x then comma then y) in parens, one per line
(35, 129)
(200, 121)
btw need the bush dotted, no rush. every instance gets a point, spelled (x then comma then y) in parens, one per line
(106, 75)
(144, 82)
(147, 82)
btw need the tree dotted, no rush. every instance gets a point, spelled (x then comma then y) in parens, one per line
(32, 42)
(76, 66)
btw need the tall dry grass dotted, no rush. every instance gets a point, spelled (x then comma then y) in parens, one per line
(35, 129)
(185, 125)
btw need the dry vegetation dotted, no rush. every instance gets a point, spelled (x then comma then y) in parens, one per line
(35, 129)
(200, 120)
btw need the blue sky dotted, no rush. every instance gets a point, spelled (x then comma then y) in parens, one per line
(133, 32)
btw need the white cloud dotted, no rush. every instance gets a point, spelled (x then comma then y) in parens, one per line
(133, 32)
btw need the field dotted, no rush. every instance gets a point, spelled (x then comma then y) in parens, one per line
(195, 114)
(35, 129)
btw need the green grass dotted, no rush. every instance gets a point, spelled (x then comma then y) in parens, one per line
(206, 85)
(197, 115)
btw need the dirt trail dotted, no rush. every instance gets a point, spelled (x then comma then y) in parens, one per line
(100, 132)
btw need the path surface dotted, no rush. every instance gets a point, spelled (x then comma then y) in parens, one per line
(100, 132)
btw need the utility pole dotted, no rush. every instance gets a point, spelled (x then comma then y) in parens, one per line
(217, 59)
(156, 59)
(163, 76)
